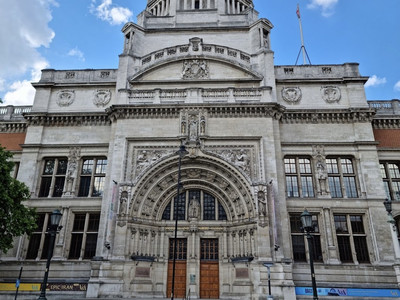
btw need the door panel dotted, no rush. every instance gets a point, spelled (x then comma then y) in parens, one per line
(209, 269)
(180, 268)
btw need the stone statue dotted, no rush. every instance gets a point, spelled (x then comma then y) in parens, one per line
(123, 203)
(194, 208)
(322, 177)
(193, 130)
(262, 204)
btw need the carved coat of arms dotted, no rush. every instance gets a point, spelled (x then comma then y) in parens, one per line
(291, 94)
(195, 69)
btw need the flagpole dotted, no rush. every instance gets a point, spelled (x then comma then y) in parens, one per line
(301, 35)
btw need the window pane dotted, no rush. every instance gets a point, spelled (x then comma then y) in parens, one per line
(334, 186)
(94, 220)
(292, 186)
(396, 190)
(305, 166)
(351, 189)
(79, 222)
(45, 187)
(317, 251)
(347, 166)
(299, 250)
(360, 243)
(76, 245)
(45, 249)
(295, 224)
(84, 186)
(98, 187)
(167, 212)
(307, 186)
(208, 207)
(290, 166)
(344, 249)
(394, 171)
(181, 203)
(387, 190)
(341, 224)
(101, 166)
(332, 166)
(383, 171)
(357, 224)
(221, 213)
(90, 247)
(33, 247)
(48, 167)
(58, 186)
(62, 167)
(87, 167)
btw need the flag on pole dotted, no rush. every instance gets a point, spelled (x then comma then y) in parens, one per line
(298, 11)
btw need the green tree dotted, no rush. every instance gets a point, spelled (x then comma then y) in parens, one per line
(15, 218)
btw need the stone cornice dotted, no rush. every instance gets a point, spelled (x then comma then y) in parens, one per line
(314, 116)
(13, 127)
(214, 111)
(67, 119)
(386, 123)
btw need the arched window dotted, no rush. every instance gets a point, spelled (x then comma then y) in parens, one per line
(195, 204)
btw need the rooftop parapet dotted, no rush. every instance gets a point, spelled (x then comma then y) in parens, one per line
(77, 76)
(290, 72)
(13, 113)
(386, 107)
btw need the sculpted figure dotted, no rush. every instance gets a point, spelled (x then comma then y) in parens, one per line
(262, 203)
(322, 177)
(194, 208)
(123, 203)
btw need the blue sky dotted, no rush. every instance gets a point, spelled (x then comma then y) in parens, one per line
(83, 34)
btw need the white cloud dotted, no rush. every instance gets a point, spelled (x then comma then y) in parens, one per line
(77, 53)
(115, 15)
(23, 29)
(375, 81)
(327, 6)
(397, 86)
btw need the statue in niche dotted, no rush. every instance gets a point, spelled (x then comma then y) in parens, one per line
(194, 208)
(262, 204)
(193, 129)
(202, 125)
(183, 125)
(322, 177)
(71, 170)
(123, 201)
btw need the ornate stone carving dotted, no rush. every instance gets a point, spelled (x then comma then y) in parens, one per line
(102, 97)
(240, 158)
(291, 94)
(195, 69)
(123, 203)
(193, 125)
(196, 42)
(194, 209)
(145, 158)
(331, 94)
(73, 159)
(65, 98)
(321, 170)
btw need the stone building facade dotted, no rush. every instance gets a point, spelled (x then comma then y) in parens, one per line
(264, 142)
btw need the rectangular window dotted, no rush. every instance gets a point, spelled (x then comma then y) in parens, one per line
(341, 177)
(84, 236)
(391, 178)
(15, 170)
(37, 247)
(299, 177)
(208, 207)
(351, 239)
(299, 240)
(53, 177)
(92, 177)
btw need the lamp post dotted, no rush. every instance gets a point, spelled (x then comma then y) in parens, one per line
(306, 221)
(181, 153)
(396, 245)
(55, 218)
(268, 265)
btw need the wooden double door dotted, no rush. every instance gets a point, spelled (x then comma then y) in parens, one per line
(209, 269)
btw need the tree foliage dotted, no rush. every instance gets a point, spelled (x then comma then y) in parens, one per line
(15, 218)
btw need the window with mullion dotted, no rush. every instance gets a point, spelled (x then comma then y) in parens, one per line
(341, 177)
(351, 238)
(84, 236)
(391, 178)
(38, 240)
(53, 177)
(299, 178)
(92, 177)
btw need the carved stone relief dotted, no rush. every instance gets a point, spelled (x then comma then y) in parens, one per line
(193, 125)
(321, 169)
(65, 98)
(146, 158)
(291, 94)
(195, 69)
(73, 159)
(102, 97)
(240, 158)
(331, 94)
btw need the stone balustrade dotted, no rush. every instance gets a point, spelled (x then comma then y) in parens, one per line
(199, 95)
(76, 76)
(13, 113)
(391, 107)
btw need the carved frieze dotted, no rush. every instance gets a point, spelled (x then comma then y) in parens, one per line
(65, 98)
(241, 158)
(102, 97)
(146, 158)
(291, 94)
(331, 94)
(195, 69)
